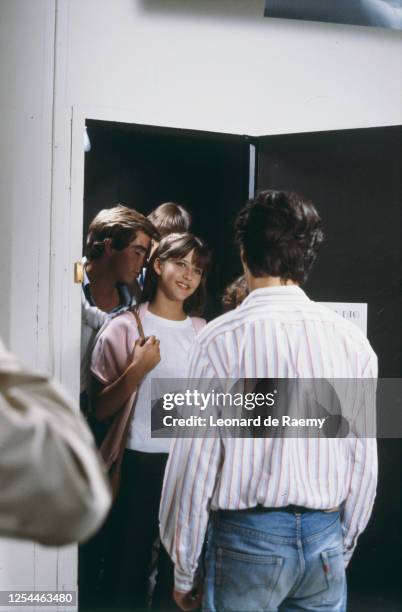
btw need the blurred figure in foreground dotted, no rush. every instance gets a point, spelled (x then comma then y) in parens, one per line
(53, 487)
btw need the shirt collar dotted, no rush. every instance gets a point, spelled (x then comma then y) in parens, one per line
(85, 281)
(285, 292)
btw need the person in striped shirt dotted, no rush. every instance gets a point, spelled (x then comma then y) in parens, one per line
(279, 515)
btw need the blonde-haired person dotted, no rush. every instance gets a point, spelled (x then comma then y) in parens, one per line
(175, 288)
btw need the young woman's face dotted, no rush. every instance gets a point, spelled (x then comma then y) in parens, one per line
(178, 278)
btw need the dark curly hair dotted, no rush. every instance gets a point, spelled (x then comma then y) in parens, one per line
(279, 233)
(234, 294)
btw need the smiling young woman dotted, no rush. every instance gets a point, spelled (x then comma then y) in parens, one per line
(174, 292)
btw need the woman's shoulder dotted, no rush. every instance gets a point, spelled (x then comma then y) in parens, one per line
(118, 327)
(122, 320)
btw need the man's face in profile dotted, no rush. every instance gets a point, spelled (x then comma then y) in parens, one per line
(128, 262)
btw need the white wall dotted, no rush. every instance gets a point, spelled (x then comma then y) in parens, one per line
(219, 65)
(26, 52)
(27, 31)
(214, 65)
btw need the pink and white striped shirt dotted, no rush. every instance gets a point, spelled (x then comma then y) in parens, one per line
(278, 332)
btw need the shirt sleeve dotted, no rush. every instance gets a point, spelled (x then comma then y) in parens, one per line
(363, 456)
(91, 315)
(53, 486)
(114, 348)
(190, 477)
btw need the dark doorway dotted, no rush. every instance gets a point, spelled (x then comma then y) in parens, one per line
(142, 167)
(353, 176)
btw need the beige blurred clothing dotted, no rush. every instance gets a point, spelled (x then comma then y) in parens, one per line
(53, 487)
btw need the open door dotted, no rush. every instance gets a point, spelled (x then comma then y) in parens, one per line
(353, 177)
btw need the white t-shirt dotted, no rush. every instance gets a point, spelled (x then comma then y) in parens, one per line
(176, 339)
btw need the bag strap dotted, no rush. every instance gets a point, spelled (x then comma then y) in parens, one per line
(140, 328)
(121, 424)
(115, 471)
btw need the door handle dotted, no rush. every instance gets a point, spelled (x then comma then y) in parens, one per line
(78, 272)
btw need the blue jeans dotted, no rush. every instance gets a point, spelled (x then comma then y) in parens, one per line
(274, 561)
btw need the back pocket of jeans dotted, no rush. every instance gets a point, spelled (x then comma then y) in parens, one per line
(244, 581)
(334, 571)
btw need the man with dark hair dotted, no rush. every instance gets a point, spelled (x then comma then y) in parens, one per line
(284, 511)
(278, 235)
